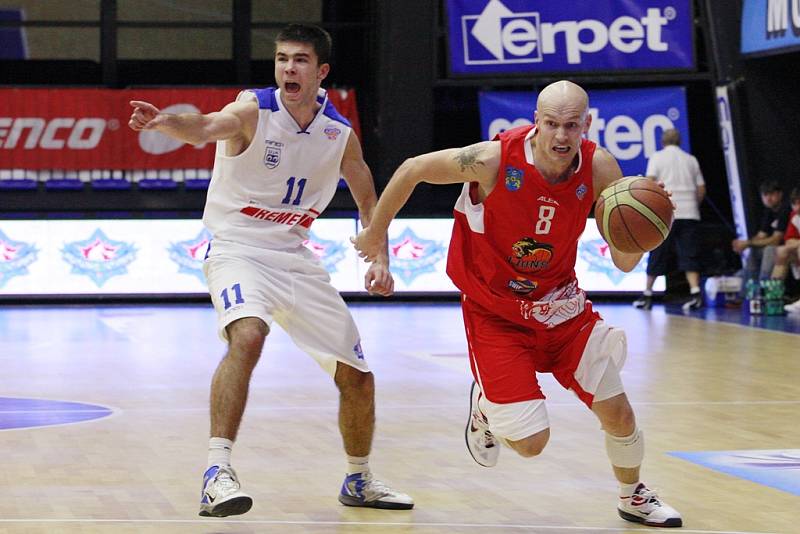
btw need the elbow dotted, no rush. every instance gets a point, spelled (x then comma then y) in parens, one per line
(408, 170)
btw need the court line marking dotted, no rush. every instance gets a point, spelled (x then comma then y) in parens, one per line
(366, 523)
(756, 328)
(390, 406)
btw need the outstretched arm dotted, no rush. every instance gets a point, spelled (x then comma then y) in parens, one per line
(378, 280)
(475, 163)
(606, 171)
(235, 119)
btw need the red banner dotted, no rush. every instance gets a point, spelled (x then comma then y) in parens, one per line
(76, 129)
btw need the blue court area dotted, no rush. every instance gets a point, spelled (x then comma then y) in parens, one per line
(775, 468)
(740, 315)
(27, 413)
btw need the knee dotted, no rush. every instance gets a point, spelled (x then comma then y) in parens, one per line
(350, 380)
(618, 418)
(622, 421)
(246, 338)
(782, 255)
(532, 445)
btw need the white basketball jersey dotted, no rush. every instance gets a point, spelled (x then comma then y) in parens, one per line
(269, 195)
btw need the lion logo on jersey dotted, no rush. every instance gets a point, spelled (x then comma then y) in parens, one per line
(529, 255)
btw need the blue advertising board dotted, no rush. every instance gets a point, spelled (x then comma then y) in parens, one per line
(770, 26)
(626, 122)
(536, 36)
(12, 39)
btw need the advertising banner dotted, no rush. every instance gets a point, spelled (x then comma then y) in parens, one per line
(540, 36)
(731, 161)
(155, 257)
(626, 122)
(770, 26)
(81, 129)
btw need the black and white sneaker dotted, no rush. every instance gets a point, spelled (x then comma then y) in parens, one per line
(694, 303)
(645, 507)
(222, 495)
(645, 302)
(481, 443)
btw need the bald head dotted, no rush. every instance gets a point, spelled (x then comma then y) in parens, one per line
(563, 95)
(671, 137)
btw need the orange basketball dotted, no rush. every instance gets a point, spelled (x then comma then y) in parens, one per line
(634, 214)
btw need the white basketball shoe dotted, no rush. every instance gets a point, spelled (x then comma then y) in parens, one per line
(364, 490)
(222, 495)
(481, 443)
(645, 507)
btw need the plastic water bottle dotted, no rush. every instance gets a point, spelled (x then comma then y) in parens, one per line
(754, 296)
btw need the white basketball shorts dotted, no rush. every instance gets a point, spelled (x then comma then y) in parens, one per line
(290, 288)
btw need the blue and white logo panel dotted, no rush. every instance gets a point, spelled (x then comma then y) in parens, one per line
(508, 36)
(770, 26)
(777, 468)
(15, 257)
(626, 122)
(99, 257)
(189, 254)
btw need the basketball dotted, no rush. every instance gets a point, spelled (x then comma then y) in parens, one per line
(634, 214)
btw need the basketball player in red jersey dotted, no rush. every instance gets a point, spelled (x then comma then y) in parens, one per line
(526, 197)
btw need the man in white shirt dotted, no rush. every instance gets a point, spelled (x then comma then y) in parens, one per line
(681, 175)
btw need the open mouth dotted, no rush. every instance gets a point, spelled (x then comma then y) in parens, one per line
(561, 149)
(292, 87)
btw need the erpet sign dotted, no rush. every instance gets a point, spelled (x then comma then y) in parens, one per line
(770, 26)
(515, 36)
(626, 122)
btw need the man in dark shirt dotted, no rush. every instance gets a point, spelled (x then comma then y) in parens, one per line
(761, 246)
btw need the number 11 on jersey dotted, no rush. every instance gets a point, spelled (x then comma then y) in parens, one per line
(237, 293)
(301, 184)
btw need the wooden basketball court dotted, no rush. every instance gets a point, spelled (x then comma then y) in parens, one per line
(696, 386)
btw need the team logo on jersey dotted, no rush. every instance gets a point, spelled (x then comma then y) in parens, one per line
(272, 154)
(189, 254)
(357, 350)
(329, 253)
(99, 257)
(412, 256)
(15, 256)
(513, 178)
(580, 192)
(332, 132)
(529, 255)
(597, 255)
(522, 286)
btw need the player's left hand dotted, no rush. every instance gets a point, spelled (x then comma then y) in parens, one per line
(378, 280)
(663, 186)
(369, 244)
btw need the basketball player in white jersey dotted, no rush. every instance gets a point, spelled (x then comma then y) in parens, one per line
(280, 153)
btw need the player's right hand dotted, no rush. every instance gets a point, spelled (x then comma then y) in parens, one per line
(144, 115)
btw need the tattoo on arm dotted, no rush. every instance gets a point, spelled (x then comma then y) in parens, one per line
(467, 158)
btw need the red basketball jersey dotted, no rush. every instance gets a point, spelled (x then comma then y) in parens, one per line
(515, 252)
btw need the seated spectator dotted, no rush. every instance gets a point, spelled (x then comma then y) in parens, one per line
(788, 254)
(761, 247)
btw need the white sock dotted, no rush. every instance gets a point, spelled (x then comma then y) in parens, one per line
(219, 451)
(648, 293)
(357, 464)
(626, 490)
(694, 291)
